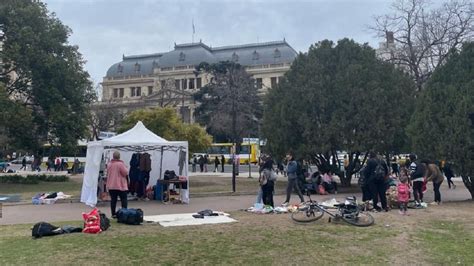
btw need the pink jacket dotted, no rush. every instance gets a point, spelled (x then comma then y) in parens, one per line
(403, 194)
(117, 175)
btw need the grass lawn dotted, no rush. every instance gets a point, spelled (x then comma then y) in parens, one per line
(433, 236)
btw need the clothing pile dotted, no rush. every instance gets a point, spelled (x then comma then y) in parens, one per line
(140, 168)
(49, 198)
(392, 197)
(260, 208)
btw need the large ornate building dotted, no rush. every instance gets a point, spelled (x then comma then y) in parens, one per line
(169, 79)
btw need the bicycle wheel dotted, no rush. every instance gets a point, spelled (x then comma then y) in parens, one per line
(307, 215)
(363, 219)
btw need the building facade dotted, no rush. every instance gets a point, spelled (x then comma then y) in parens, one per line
(169, 80)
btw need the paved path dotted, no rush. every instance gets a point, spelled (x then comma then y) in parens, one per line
(21, 214)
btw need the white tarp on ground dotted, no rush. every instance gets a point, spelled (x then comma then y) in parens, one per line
(183, 219)
(165, 155)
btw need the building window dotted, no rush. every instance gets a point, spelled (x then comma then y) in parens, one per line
(138, 91)
(235, 57)
(162, 84)
(150, 90)
(116, 93)
(137, 67)
(198, 83)
(119, 68)
(176, 84)
(191, 83)
(121, 92)
(259, 83)
(182, 56)
(132, 91)
(276, 53)
(273, 82)
(255, 55)
(184, 84)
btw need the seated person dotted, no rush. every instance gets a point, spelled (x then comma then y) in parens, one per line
(327, 181)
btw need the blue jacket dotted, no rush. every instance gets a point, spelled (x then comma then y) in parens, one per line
(292, 167)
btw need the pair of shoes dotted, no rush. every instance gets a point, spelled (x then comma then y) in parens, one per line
(434, 203)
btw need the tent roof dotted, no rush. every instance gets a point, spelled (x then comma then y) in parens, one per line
(138, 135)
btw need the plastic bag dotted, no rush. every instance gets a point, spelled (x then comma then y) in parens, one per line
(92, 222)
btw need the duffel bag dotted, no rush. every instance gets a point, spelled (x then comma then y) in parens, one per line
(130, 216)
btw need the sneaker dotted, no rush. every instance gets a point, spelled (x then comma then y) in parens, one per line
(434, 203)
(401, 213)
(284, 204)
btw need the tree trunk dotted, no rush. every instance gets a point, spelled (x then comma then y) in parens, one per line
(468, 182)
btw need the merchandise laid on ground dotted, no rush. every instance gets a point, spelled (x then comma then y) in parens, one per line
(182, 219)
(49, 198)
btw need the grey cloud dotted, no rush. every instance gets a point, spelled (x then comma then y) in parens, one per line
(104, 30)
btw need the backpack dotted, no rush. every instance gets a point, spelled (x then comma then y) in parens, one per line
(130, 216)
(45, 229)
(104, 221)
(379, 172)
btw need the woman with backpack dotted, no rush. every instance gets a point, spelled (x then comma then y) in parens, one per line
(434, 174)
(375, 174)
(292, 180)
(267, 182)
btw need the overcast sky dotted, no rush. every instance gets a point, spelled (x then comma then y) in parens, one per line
(106, 29)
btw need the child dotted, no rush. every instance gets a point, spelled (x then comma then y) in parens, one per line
(403, 194)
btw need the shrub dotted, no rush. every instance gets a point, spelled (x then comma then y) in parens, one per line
(32, 179)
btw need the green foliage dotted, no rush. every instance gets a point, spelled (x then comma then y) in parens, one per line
(43, 76)
(31, 179)
(166, 123)
(442, 126)
(229, 104)
(337, 97)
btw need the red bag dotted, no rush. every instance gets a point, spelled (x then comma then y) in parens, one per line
(91, 222)
(424, 188)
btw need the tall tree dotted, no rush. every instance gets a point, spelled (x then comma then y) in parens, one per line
(229, 104)
(442, 127)
(43, 73)
(167, 124)
(337, 98)
(424, 34)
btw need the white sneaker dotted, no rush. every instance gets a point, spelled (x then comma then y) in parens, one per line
(284, 204)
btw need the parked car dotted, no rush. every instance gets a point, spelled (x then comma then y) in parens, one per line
(29, 160)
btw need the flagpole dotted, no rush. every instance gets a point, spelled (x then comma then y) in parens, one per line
(194, 30)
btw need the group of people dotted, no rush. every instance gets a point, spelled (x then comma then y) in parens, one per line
(412, 176)
(203, 161)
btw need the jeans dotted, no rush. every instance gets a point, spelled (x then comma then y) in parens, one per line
(259, 196)
(437, 194)
(293, 184)
(114, 194)
(418, 191)
(378, 189)
(450, 182)
(267, 193)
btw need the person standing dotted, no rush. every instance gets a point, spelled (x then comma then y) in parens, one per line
(268, 182)
(434, 174)
(201, 163)
(216, 164)
(206, 161)
(117, 182)
(395, 167)
(375, 174)
(194, 163)
(222, 162)
(23, 163)
(448, 172)
(292, 180)
(417, 173)
(403, 194)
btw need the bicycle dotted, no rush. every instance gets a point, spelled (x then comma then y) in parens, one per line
(348, 211)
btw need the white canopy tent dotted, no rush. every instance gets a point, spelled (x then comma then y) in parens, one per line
(165, 155)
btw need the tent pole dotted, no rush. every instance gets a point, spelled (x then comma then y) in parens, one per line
(161, 163)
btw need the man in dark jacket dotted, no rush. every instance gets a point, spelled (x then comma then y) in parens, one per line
(292, 180)
(417, 173)
(375, 174)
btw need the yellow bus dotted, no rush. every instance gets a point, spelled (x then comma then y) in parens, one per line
(249, 152)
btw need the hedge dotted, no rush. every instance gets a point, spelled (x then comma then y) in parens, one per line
(32, 179)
